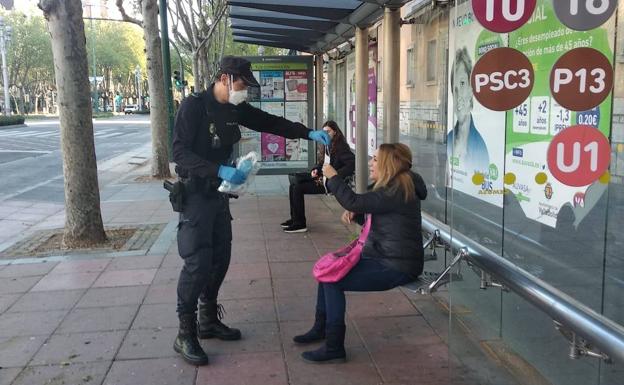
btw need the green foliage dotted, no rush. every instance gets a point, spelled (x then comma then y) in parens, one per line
(11, 120)
(100, 115)
(118, 46)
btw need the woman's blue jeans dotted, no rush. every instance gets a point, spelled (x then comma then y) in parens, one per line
(367, 275)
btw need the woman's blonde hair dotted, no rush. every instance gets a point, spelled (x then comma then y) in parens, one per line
(394, 162)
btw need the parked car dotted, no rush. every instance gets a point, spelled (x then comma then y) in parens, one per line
(131, 109)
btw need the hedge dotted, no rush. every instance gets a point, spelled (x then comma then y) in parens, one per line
(11, 120)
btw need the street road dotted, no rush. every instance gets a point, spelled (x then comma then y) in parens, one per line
(31, 161)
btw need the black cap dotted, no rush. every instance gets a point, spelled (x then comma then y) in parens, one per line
(240, 67)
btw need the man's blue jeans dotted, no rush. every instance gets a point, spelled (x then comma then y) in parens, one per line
(367, 275)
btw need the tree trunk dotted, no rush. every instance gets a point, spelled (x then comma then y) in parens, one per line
(196, 75)
(83, 223)
(158, 102)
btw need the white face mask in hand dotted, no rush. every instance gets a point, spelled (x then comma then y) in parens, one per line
(236, 97)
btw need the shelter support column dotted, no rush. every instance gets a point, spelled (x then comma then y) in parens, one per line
(361, 109)
(318, 90)
(391, 68)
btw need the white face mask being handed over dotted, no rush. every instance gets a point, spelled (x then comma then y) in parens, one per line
(236, 97)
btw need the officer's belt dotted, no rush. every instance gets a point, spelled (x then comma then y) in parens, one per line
(201, 185)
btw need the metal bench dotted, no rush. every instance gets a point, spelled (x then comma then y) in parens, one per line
(428, 282)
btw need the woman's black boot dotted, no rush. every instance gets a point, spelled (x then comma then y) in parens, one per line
(333, 351)
(317, 333)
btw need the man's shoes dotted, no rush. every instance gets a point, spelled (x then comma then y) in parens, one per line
(186, 342)
(295, 228)
(210, 325)
(286, 224)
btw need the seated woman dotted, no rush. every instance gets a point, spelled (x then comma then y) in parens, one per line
(393, 251)
(341, 159)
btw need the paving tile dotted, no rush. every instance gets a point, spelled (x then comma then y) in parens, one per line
(6, 300)
(246, 289)
(17, 285)
(118, 278)
(251, 368)
(249, 310)
(142, 262)
(291, 250)
(148, 343)
(47, 300)
(392, 331)
(257, 337)
(81, 266)
(159, 294)
(166, 275)
(296, 308)
(248, 271)
(7, 375)
(74, 374)
(113, 296)
(161, 371)
(379, 304)
(26, 270)
(98, 319)
(156, 316)
(31, 323)
(17, 351)
(291, 270)
(72, 281)
(404, 363)
(296, 287)
(359, 370)
(79, 348)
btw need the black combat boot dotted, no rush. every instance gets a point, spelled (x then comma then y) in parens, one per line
(186, 342)
(317, 333)
(333, 350)
(210, 325)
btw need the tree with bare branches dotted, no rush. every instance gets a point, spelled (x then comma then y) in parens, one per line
(83, 222)
(200, 28)
(158, 101)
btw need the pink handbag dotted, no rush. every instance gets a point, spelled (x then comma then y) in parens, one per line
(332, 267)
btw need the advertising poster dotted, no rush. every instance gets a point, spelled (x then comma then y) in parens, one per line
(532, 126)
(273, 147)
(273, 108)
(296, 85)
(476, 135)
(272, 85)
(297, 149)
(349, 131)
(372, 98)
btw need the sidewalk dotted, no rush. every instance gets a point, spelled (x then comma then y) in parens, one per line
(110, 319)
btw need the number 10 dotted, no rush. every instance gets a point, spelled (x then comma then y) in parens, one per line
(489, 15)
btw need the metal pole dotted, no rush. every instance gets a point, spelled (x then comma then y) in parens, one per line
(5, 74)
(164, 33)
(318, 90)
(361, 109)
(181, 69)
(391, 69)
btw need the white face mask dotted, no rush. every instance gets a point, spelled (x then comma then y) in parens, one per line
(237, 97)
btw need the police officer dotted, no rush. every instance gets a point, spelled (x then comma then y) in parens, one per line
(206, 130)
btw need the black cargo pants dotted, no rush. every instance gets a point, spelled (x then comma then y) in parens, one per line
(205, 244)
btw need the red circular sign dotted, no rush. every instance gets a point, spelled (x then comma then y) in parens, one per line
(502, 79)
(579, 155)
(503, 15)
(581, 79)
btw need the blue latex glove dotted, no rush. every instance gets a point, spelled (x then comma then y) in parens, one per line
(232, 175)
(320, 136)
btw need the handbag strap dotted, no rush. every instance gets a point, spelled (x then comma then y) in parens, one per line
(365, 229)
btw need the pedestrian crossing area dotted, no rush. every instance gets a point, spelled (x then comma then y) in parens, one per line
(55, 134)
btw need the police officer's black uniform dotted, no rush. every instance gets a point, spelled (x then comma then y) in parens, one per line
(204, 136)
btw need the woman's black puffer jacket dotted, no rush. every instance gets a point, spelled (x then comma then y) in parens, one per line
(395, 237)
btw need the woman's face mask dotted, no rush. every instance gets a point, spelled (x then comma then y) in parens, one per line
(236, 97)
